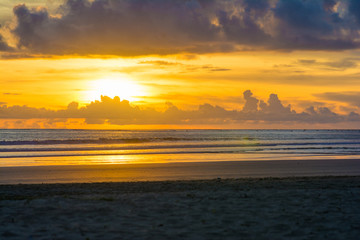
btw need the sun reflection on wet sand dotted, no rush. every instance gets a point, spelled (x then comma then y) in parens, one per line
(160, 158)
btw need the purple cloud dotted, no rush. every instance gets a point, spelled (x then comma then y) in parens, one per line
(132, 28)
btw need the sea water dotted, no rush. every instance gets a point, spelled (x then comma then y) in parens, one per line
(33, 147)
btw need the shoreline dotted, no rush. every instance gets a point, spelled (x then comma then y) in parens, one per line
(78, 188)
(177, 171)
(34, 191)
(247, 208)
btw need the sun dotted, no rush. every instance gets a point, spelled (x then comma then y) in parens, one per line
(111, 87)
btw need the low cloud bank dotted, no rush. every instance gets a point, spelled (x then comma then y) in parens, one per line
(121, 112)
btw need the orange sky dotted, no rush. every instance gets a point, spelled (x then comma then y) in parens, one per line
(179, 63)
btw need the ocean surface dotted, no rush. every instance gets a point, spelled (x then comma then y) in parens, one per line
(78, 147)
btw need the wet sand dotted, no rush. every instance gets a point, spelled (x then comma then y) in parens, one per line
(247, 208)
(177, 171)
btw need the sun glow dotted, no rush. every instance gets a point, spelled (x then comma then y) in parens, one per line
(121, 87)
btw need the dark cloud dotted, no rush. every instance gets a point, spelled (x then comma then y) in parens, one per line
(354, 9)
(116, 111)
(303, 16)
(312, 25)
(116, 27)
(4, 47)
(242, 29)
(329, 4)
(142, 27)
(256, 5)
(352, 98)
(31, 25)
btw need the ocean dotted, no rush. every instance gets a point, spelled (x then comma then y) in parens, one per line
(45, 147)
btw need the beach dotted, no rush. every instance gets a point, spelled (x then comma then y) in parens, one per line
(188, 184)
(177, 171)
(193, 119)
(247, 208)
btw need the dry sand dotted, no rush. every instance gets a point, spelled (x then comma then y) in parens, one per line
(257, 208)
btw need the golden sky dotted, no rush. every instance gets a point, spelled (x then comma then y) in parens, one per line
(179, 64)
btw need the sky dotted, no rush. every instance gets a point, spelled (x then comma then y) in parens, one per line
(141, 64)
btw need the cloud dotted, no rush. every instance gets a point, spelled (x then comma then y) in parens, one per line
(24, 112)
(4, 47)
(314, 25)
(190, 27)
(351, 98)
(251, 103)
(354, 9)
(19, 55)
(335, 65)
(183, 67)
(121, 112)
(304, 16)
(160, 63)
(9, 93)
(215, 69)
(115, 27)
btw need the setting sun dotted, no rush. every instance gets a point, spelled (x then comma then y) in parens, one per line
(231, 107)
(183, 64)
(111, 87)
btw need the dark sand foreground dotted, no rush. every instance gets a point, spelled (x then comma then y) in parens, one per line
(248, 208)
